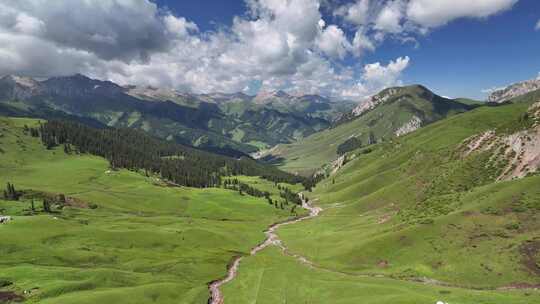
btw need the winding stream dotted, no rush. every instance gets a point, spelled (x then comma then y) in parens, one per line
(216, 297)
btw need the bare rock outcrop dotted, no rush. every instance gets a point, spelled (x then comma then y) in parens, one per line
(374, 101)
(514, 90)
(337, 164)
(519, 152)
(412, 125)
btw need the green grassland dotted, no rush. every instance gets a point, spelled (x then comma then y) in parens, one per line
(145, 242)
(309, 154)
(274, 189)
(413, 209)
(271, 277)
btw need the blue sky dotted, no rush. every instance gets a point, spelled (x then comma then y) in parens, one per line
(348, 49)
(462, 58)
(468, 56)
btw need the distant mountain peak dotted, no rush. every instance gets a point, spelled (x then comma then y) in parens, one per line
(386, 94)
(79, 75)
(151, 92)
(514, 90)
(80, 85)
(26, 82)
(17, 87)
(264, 97)
(374, 100)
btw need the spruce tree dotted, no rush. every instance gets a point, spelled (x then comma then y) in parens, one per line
(46, 205)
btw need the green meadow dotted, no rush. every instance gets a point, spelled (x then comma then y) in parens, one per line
(271, 277)
(411, 221)
(268, 186)
(144, 242)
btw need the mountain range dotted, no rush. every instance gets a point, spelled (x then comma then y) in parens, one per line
(391, 113)
(514, 90)
(232, 124)
(405, 185)
(299, 132)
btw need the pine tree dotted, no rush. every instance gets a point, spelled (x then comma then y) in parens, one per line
(372, 140)
(10, 193)
(46, 205)
(293, 210)
(136, 151)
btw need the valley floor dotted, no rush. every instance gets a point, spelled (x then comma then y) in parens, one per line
(125, 238)
(412, 221)
(279, 274)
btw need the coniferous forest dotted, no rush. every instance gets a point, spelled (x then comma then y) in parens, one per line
(134, 150)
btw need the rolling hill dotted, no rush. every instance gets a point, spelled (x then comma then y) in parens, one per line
(390, 113)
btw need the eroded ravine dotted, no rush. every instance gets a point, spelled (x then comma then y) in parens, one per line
(216, 296)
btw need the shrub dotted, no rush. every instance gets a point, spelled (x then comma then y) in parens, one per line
(427, 221)
(512, 226)
(350, 144)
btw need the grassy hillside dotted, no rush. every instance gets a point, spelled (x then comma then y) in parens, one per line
(379, 124)
(414, 209)
(124, 238)
(469, 101)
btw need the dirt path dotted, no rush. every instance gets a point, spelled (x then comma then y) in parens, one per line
(216, 297)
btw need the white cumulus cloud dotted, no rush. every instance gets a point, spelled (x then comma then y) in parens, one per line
(280, 44)
(384, 76)
(355, 13)
(390, 16)
(429, 13)
(333, 42)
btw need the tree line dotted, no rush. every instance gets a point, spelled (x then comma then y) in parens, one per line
(134, 150)
(10, 194)
(48, 200)
(284, 192)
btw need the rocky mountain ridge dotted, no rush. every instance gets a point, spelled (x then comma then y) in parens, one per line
(374, 101)
(514, 90)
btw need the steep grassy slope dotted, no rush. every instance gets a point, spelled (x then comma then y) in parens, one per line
(144, 243)
(397, 114)
(414, 209)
